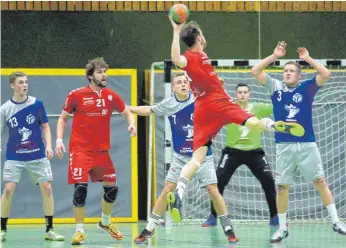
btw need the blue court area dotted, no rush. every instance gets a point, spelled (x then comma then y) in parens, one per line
(302, 235)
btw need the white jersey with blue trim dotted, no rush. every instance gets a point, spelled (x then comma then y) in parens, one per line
(180, 116)
(293, 105)
(24, 124)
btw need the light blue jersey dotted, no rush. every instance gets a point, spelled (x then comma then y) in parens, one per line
(180, 115)
(293, 105)
(24, 123)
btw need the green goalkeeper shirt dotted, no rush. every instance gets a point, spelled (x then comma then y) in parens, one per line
(244, 138)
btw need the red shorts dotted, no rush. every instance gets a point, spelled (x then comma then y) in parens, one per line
(211, 116)
(96, 164)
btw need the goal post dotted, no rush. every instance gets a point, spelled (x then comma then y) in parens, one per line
(244, 196)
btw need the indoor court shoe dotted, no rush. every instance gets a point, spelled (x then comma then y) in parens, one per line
(111, 229)
(143, 237)
(232, 239)
(278, 236)
(3, 235)
(289, 127)
(211, 221)
(340, 228)
(53, 236)
(174, 206)
(78, 238)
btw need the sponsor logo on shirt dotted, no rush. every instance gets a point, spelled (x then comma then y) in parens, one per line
(189, 130)
(292, 111)
(30, 119)
(25, 133)
(297, 98)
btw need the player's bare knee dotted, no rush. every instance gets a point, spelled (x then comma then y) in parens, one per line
(169, 187)
(80, 194)
(111, 193)
(9, 190)
(283, 189)
(320, 183)
(46, 189)
(213, 190)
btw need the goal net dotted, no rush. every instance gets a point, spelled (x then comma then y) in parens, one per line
(244, 196)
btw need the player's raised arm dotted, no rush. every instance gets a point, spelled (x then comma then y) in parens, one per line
(141, 110)
(131, 121)
(177, 58)
(60, 130)
(324, 73)
(257, 70)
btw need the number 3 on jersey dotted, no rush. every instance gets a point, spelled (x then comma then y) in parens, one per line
(279, 95)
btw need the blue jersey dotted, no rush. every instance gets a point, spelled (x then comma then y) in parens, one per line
(24, 124)
(293, 105)
(180, 116)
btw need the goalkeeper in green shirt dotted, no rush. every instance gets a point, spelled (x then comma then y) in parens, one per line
(244, 147)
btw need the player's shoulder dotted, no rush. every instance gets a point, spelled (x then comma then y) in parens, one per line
(79, 91)
(7, 105)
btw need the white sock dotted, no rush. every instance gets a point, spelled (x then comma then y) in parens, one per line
(181, 186)
(282, 221)
(105, 219)
(333, 213)
(152, 222)
(80, 228)
(269, 124)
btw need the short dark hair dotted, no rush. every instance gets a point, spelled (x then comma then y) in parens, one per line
(241, 85)
(296, 65)
(15, 75)
(94, 64)
(189, 33)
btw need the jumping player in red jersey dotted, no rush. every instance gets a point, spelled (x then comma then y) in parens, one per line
(92, 107)
(214, 108)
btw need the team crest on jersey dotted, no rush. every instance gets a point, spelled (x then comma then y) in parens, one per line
(25, 133)
(292, 111)
(189, 130)
(30, 119)
(110, 97)
(104, 111)
(297, 97)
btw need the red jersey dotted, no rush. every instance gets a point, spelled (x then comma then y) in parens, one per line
(92, 114)
(204, 81)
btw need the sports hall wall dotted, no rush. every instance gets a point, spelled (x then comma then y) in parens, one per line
(136, 34)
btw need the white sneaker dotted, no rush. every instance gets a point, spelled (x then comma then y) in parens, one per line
(278, 236)
(340, 228)
(53, 236)
(3, 236)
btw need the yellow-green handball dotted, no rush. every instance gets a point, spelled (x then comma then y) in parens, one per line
(180, 13)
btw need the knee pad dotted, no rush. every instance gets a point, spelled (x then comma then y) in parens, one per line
(110, 194)
(80, 194)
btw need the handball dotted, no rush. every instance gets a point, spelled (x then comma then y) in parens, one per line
(179, 13)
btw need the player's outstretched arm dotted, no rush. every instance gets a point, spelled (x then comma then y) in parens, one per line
(60, 130)
(324, 73)
(177, 58)
(257, 70)
(131, 121)
(141, 110)
(47, 137)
